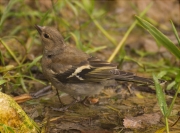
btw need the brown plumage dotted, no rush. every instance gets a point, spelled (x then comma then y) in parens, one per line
(74, 71)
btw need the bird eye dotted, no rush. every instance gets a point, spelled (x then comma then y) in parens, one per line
(49, 56)
(46, 35)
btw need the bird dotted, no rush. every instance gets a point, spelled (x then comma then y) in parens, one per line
(76, 73)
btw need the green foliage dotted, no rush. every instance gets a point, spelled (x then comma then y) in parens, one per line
(160, 37)
(85, 47)
(88, 6)
(161, 96)
(175, 32)
(6, 129)
(7, 12)
(166, 42)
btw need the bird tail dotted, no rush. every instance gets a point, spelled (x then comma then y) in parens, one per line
(140, 80)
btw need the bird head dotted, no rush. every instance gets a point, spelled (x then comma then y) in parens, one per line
(51, 37)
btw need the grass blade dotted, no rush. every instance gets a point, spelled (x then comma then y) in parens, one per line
(175, 31)
(6, 12)
(10, 51)
(159, 36)
(126, 35)
(160, 96)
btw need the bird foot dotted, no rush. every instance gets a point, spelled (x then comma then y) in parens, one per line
(84, 101)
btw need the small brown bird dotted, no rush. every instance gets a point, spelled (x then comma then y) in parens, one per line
(75, 72)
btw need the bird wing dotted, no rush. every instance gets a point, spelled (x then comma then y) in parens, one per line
(91, 70)
(95, 70)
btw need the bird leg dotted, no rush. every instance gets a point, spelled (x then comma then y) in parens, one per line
(84, 101)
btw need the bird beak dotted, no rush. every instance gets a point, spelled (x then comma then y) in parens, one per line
(39, 28)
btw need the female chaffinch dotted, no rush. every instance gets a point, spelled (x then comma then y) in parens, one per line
(75, 72)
